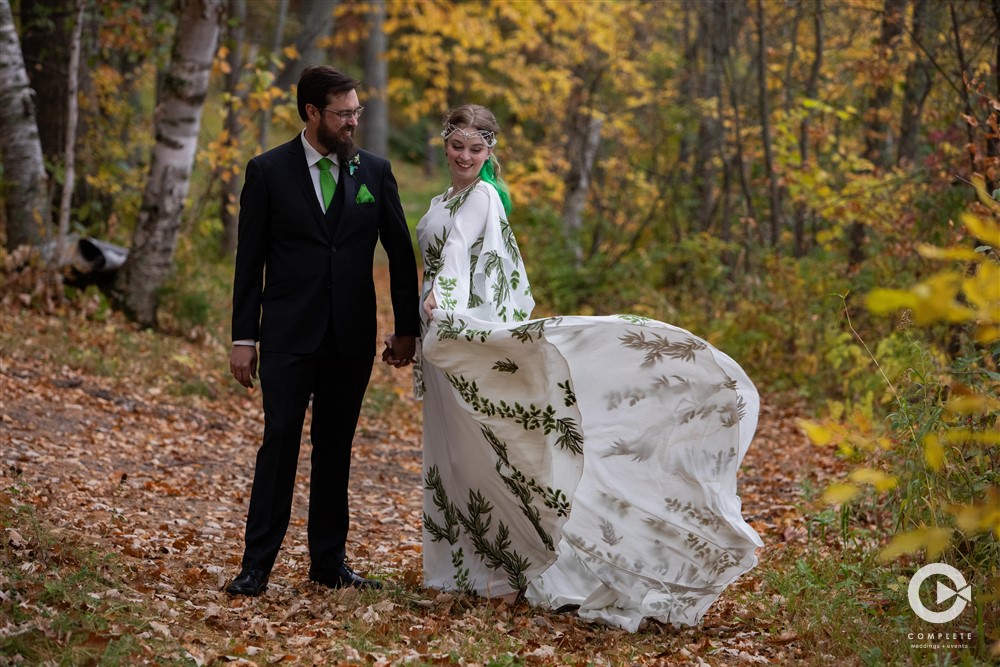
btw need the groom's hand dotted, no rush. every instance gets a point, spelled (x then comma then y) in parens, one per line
(243, 364)
(399, 350)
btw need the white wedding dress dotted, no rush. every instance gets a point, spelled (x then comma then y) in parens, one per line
(585, 461)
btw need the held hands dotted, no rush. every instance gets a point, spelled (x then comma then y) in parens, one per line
(243, 364)
(399, 350)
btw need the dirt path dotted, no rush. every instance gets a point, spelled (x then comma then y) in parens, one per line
(163, 481)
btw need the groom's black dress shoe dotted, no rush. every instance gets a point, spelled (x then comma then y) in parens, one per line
(249, 582)
(342, 577)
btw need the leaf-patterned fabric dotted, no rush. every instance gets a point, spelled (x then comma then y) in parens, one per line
(585, 461)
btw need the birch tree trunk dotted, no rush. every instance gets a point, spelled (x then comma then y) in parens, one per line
(584, 140)
(376, 126)
(177, 122)
(25, 185)
(72, 115)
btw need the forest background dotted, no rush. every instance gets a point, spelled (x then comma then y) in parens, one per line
(811, 185)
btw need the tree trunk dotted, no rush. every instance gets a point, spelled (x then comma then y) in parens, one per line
(279, 39)
(719, 26)
(965, 69)
(876, 128)
(376, 126)
(585, 137)
(230, 184)
(741, 165)
(793, 54)
(765, 124)
(812, 88)
(178, 119)
(918, 79)
(316, 18)
(27, 209)
(993, 138)
(46, 27)
(72, 114)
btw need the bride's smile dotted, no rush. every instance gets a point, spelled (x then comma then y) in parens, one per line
(466, 152)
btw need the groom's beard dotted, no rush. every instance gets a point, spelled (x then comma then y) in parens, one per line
(342, 145)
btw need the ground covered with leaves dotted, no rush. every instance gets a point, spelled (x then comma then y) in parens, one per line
(127, 462)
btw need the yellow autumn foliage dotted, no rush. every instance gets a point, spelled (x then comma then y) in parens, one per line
(957, 445)
(931, 540)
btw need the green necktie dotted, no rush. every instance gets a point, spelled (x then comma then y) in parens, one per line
(326, 183)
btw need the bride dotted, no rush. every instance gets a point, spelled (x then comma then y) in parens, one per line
(581, 461)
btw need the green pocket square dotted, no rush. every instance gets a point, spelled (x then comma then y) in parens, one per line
(364, 196)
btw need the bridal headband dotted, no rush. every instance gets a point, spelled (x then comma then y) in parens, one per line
(489, 137)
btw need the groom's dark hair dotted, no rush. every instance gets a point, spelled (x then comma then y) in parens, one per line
(318, 82)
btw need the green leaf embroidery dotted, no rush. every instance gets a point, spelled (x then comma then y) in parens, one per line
(450, 513)
(455, 203)
(495, 554)
(529, 332)
(608, 533)
(461, 572)
(519, 486)
(434, 260)
(714, 559)
(505, 366)
(510, 243)
(450, 328)
(702, 516)
(448, 285)
(658, 347)
(570, 396)
(529, 418)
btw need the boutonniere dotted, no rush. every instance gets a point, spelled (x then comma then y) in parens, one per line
(364, 196)
(354, 163)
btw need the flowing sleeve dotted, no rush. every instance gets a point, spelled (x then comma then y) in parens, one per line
(482, 273)
(452, 287)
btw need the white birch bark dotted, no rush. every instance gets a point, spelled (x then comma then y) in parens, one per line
(72, 114)
(177, 122)
(26, 210)
(584, 142)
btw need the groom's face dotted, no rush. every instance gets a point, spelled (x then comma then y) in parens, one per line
(333, 132)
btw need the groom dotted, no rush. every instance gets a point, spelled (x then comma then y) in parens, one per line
(311, 212)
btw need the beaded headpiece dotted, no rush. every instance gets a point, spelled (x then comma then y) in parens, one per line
(489, 137)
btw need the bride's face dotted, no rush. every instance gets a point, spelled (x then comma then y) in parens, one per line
(466, 155)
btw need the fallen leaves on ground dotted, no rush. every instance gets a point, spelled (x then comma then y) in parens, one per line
(162, 481)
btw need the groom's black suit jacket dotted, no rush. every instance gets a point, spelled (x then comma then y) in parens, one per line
(296, 267)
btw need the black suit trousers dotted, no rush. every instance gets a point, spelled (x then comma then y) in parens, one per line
(337, 386)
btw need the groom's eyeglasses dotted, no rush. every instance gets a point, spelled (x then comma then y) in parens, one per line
(347, 114)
